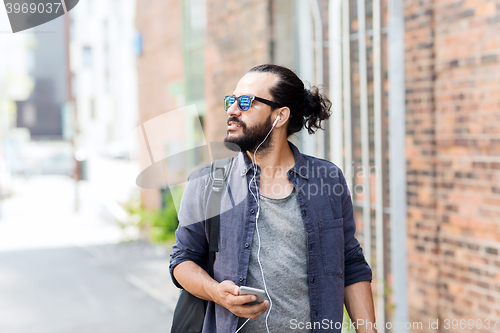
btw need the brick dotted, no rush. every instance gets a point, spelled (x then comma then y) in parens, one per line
(491, 250)
(489, 59)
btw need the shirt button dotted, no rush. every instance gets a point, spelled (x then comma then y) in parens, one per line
(252, 211)
(247, 245)
(241, 279)
(304, 213)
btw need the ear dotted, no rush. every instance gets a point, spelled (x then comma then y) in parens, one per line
(283, 114)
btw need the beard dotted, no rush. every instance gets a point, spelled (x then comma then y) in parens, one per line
(251, 137)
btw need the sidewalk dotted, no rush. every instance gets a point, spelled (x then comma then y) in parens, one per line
(62, 271)
(40, 215)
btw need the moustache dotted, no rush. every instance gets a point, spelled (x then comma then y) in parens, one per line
(236, 120)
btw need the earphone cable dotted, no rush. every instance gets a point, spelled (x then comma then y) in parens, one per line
(257, 200)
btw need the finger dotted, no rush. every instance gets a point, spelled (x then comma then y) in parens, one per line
(251, 311)
(262, 308)
(256, 308)
(241, 299)
(229, 287)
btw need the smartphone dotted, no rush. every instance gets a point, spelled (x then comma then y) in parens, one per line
(261, 294)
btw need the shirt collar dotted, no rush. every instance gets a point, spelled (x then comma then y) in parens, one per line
(300, 167)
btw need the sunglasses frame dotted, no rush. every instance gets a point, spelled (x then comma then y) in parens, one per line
(252, 98)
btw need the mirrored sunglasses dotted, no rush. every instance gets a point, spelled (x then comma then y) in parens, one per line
(245, 102)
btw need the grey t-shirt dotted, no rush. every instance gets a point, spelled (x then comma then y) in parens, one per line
(283, 255)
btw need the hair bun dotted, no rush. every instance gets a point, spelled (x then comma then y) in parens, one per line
(316, 109)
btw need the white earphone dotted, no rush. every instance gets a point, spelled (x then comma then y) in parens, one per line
(276, 121)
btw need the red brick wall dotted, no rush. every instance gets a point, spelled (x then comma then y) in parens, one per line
(453, 151)
(467, 93)
(161, 63)
(238, 38)
(160, 67)
(423, 264)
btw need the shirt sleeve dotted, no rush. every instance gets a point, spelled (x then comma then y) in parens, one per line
(356, 268)
(191, 242)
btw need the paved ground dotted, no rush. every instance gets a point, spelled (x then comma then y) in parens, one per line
(67, 272)
(110, 288)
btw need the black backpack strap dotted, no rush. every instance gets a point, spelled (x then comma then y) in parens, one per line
(189, 314)
(219, 172)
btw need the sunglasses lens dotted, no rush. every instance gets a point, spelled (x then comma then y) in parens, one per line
(228, 101)
(244, 103)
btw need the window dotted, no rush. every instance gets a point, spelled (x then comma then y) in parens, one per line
(87, 56)
(107, 82)
(92, 109)
(194, 40)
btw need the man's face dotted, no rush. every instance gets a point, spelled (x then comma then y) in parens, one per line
(248, 129)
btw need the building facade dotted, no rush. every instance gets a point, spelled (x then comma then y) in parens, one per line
(104, 80)
(452, 57)
(41, 112)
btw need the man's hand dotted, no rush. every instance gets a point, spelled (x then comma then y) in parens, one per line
(227, 294)
(196, 280)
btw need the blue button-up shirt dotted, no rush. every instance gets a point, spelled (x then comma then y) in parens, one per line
(334, 256)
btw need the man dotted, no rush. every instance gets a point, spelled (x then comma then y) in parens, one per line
(293, 233)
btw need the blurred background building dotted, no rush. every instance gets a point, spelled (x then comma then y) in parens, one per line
(67, 93)
(452, 156)
(415, 88)
(104, 74)
(41, 112)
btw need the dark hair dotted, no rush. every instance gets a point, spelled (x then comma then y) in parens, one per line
(307, 106)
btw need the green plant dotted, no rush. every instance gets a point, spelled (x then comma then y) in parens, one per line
(346, 326)
(161, 223)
